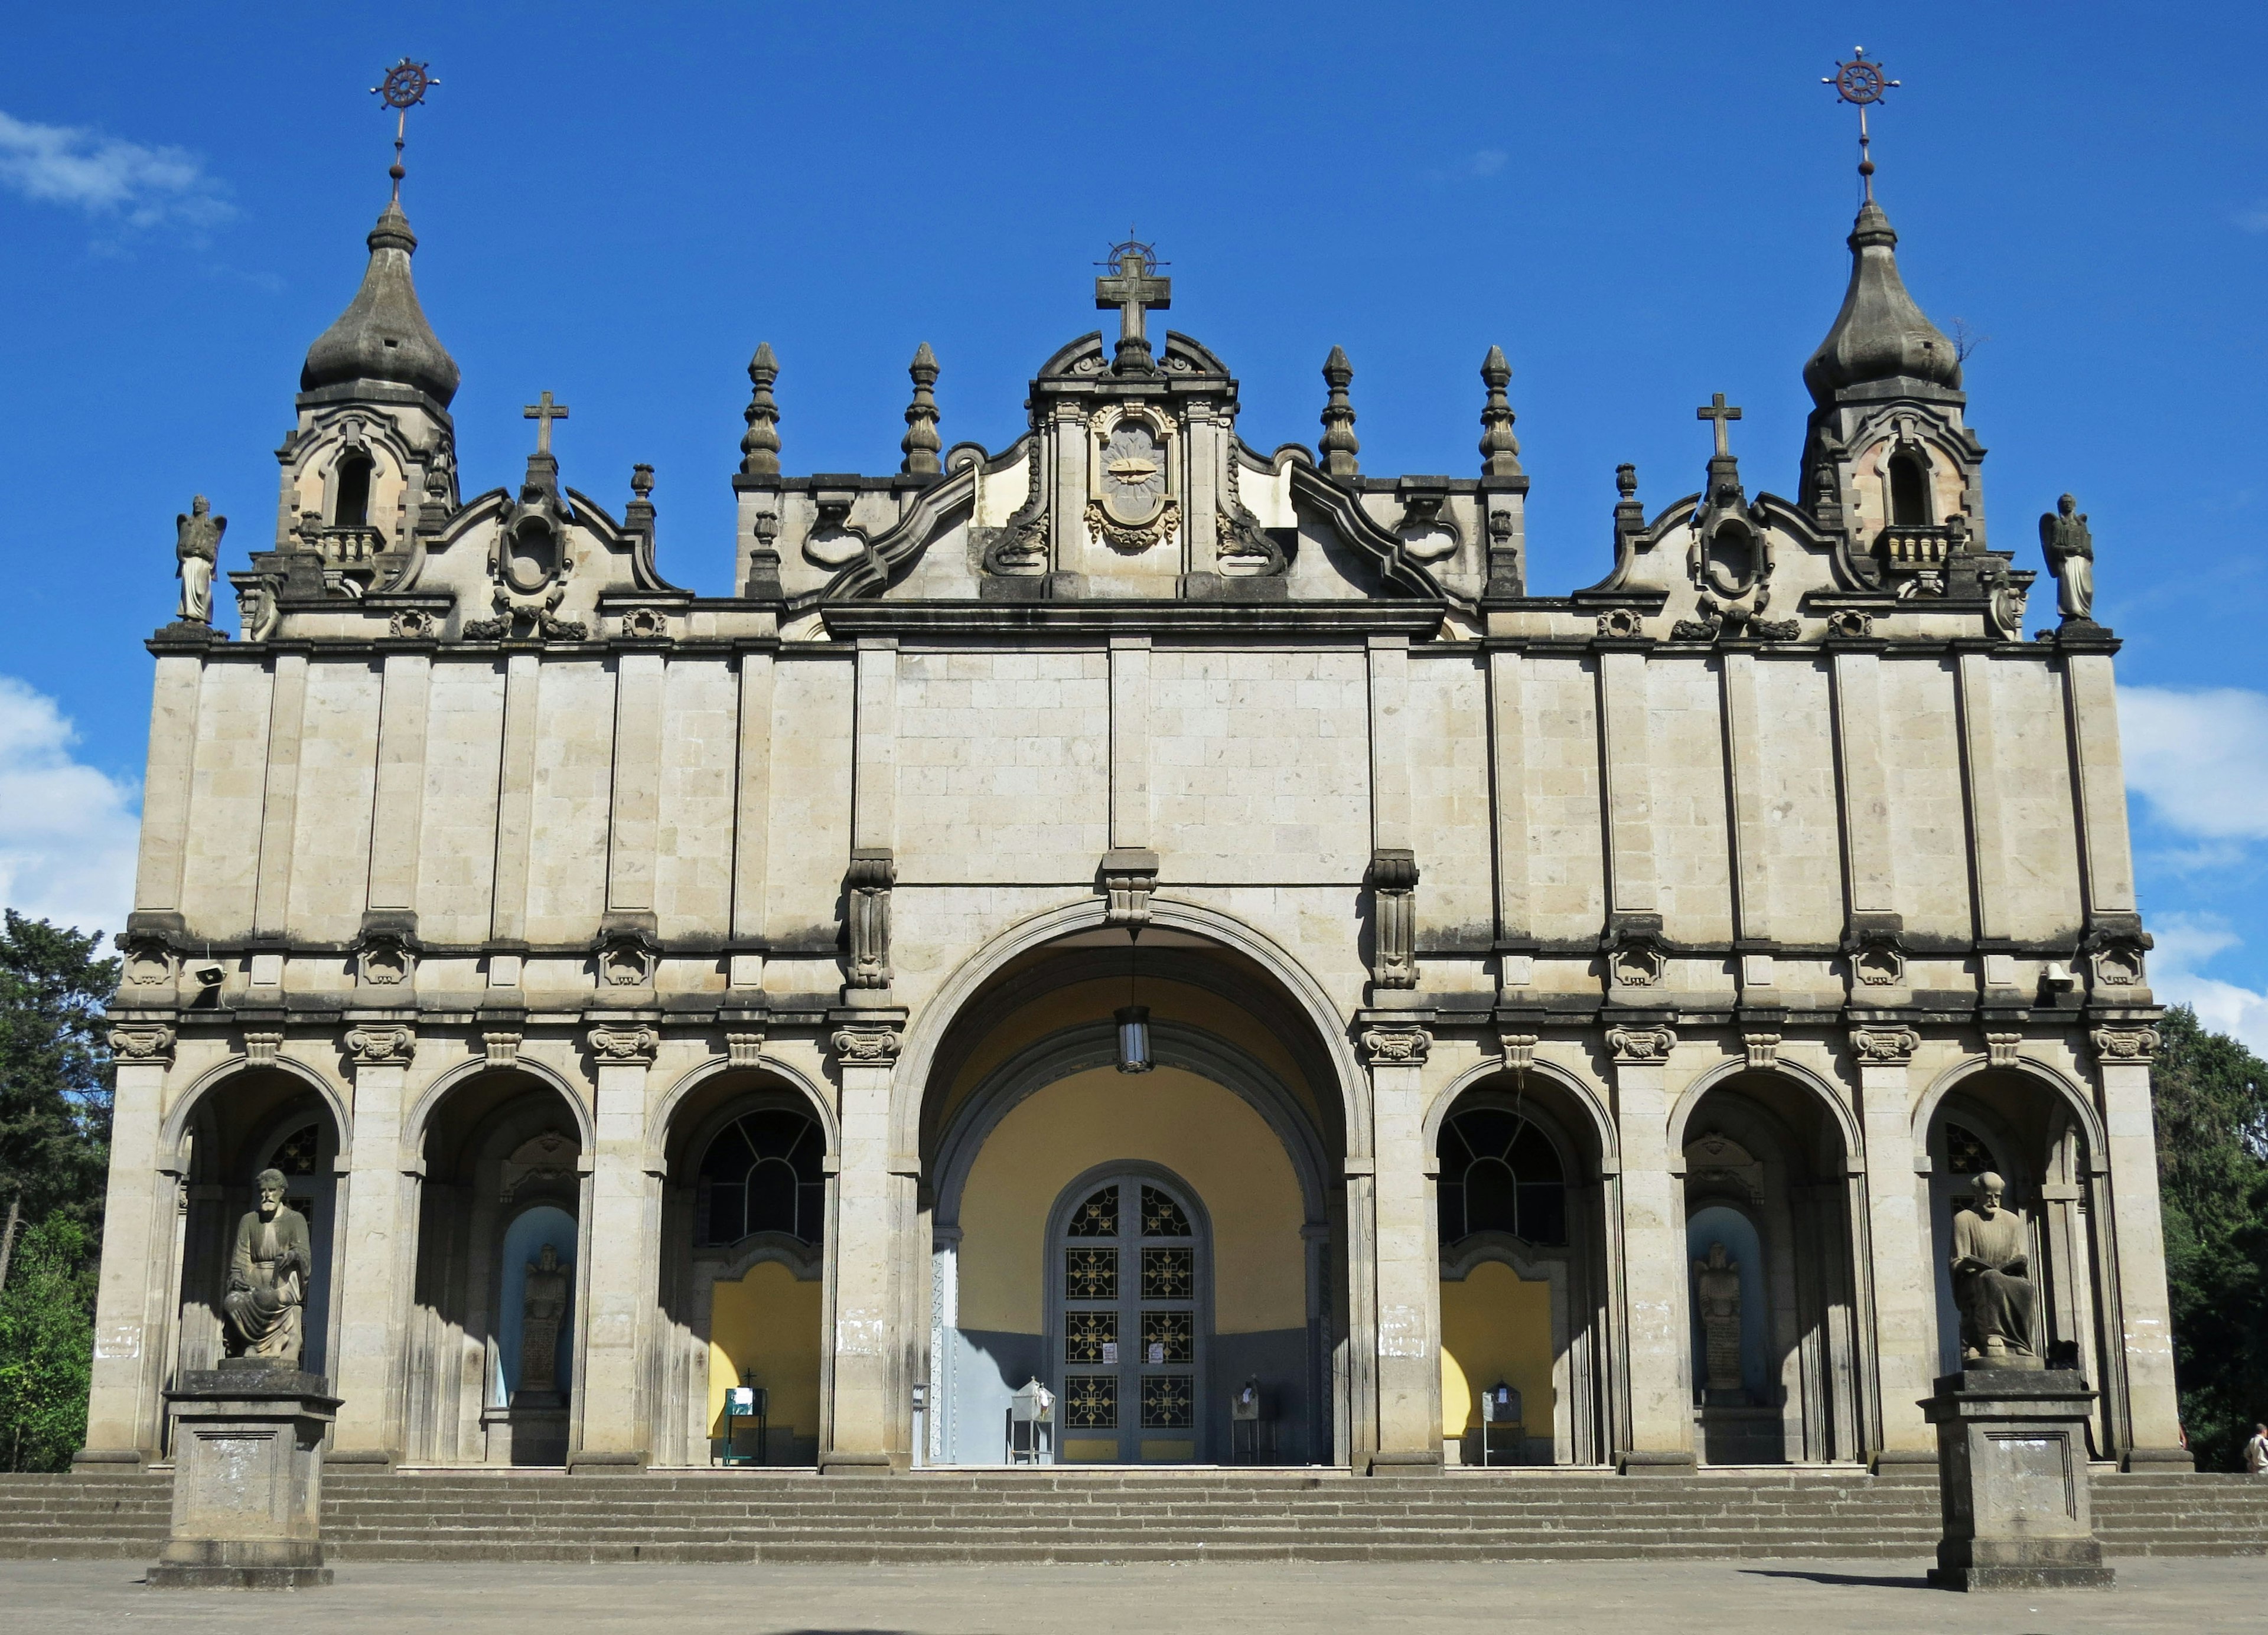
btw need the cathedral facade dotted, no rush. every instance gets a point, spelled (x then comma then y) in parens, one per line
(1133, 924)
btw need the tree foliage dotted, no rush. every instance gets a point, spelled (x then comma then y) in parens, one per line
(2210, 1096)
(54, 1071)
(47, 1345)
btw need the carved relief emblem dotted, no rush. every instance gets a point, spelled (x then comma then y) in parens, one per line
(1134, 486)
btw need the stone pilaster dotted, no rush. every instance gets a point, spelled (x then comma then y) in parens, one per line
(1395, 1045)
(1653, 1256)
(122, 1413)
(620, 1254)
(2143, 1320)
(373, 1273)
(875, 1204)
(1898, 1240)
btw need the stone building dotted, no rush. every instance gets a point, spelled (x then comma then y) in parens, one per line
(1486, 959)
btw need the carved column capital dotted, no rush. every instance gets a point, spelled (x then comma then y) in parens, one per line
(867, 1046)
(621, 1044)
(2000, 1048)
(1396, 1046)
(388, 1046)
(744, 1047)
(502, 1049)
(1647, 1046)
(261, 1046)
(1764, 1051)
(1886, 1047)
(2125, 1045)
(143, 1041)
(1518, 1049)
(1130, 875)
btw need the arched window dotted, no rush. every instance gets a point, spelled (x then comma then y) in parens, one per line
(1909, 493)
(351, 510)
(1500, 1173)
(1965, 1152)
(764, 1174)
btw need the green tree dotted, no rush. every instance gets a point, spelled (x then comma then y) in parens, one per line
(47, 1345)
(54, 1072)
(2211, 1096)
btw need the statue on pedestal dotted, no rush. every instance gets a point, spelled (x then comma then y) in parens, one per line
(1717, 1294)
(268, 1276)
(543, 1307)
(1992, 1279)
(197, 549)
(2070, 550)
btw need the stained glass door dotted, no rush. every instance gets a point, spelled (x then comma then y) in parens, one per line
(1132, 1327)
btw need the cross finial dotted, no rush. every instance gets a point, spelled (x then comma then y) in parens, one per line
(402, 89)
(1133, 288)
(544, 411)
(1861, 83)
(1715, 409)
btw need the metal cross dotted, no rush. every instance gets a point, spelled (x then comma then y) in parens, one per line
(1135, 287)
(544, 412)
(1717, 411)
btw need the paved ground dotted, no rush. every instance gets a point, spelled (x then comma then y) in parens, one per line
(1755, 1598)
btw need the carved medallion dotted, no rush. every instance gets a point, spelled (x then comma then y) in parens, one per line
(1134, 491)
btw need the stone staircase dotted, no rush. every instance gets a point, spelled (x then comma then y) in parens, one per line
(1114, 1516)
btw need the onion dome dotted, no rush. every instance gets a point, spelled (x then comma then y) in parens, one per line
(1880, 334)
(383, 334)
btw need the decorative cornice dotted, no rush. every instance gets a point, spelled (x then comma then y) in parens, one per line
(143, 1041)
(1641, 1045)
(625, 1045)
(2125, 1045)
(1885, 1046)
(388, 1046)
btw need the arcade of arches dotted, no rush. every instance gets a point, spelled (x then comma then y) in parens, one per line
(1430, 1253)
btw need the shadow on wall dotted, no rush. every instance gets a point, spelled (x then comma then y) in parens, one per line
(764, 1331)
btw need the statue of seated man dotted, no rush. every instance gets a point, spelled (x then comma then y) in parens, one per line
(1992, 1279)
(268, 1276)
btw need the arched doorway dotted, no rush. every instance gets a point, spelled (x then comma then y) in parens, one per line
(1771, 1286)
(1129, 1302)
(1519, 1208)
(258, 1118)
(747, 1214)
(493, 1353)
(1027, 1121)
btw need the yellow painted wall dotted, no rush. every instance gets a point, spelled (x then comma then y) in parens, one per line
(768, 1322)
(1201, 1131)
(1494, 1326)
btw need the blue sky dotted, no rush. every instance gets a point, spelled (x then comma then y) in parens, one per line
(1642, 205)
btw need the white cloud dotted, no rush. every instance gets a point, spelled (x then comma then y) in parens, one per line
(107, 177)
(68, 831)
(2185, 941)
(2200, 758)
(1488, 161)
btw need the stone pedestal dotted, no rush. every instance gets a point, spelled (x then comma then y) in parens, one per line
(532, 1430)
(247, 1478)
(2011, 1473)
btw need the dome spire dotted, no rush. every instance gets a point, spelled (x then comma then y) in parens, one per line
(383, 334)
(1881, 333)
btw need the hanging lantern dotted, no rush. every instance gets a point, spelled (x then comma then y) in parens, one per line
(1134, 1039)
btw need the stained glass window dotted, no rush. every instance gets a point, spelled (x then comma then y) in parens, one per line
(1965, 1153)
(1086, 1332)
(1167, 1401)
(1090, 1274)
(1097, 1217)
(1090, 1402)
(1161, 1216)
(1168, 1274)
(1167, 1336)
(1500, 1173)
(764, 1173)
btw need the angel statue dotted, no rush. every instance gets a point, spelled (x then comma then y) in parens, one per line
(196, 547)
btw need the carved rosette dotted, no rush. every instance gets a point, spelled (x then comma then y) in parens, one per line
(143, 1041)
(867, 1046)
(1887, 1047)
(1641, 1046)
(744, 1047)
(389, 1046)
(1396, 1047)
(617, 1046)
(2125, 1045)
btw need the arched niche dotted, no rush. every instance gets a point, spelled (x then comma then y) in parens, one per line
(1029, 1056)
(502, 1165)
(749, 1156)
(236, 1122)
(1768, 1167)
(1522, 1218)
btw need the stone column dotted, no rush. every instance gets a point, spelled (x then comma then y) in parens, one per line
(165, 787)
(397, 802)
(752, 822)
(874, 1206)
(2142, 1317)
(1653, 1258)
(1409, 1272)
(372, 1276)
(124, 1422)
(279, 809)
(620, 1258)
(1508, 785)
(515, 815)
(1899, 1257)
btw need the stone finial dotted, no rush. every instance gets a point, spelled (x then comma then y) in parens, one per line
(921, 443)
(760, 448)
(1500, 449)
(1338, 446)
